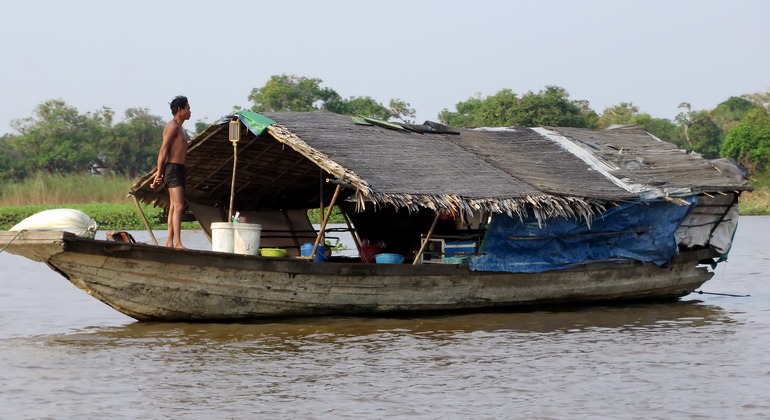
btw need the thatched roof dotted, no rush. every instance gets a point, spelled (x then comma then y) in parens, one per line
(553, 171)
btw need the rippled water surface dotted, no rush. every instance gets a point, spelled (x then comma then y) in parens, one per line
(65, 355)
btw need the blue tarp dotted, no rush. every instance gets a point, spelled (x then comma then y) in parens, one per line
(642, 231)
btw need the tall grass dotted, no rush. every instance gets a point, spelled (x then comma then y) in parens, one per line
(55, 189)
(758, 201)
(108, 216)
(103, 197)
(51, 190)
(755, 202)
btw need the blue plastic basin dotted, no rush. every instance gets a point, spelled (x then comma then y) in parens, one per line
(389, 258)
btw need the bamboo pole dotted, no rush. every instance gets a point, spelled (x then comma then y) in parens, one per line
(427, 237)
(144, 219)
(232, 185)
(353, 231)
(324, 222)
(320, 200)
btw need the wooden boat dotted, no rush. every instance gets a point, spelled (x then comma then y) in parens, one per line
(549, 216)
(151, 283)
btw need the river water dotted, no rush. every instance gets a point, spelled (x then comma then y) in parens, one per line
(63, 354)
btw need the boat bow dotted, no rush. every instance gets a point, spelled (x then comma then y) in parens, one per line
(35, 245)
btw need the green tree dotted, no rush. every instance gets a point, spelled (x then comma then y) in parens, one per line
(132, 145)
(290, 93)
(200, 126)
(760, 99)
(749, 141)
(624, 113)
(684, 119)
(358, 105)
(661, 128)
(729, 113)
(699, 133)
(401, 110)
(11, 164)
(57, 139)
(468, 112)
(591, 117)
(705, 135)
(548, 107)
(500, 109)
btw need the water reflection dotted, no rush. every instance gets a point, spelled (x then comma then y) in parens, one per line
(348, 365)
(296, 333)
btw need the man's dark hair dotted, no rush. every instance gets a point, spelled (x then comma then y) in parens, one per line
(178, 103)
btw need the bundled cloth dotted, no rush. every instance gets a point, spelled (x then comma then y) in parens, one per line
(68, 220)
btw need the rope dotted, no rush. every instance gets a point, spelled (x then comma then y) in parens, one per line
(719, 294)
(14, 238)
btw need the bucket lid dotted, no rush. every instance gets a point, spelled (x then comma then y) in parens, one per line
(220, 225)
(247, 226)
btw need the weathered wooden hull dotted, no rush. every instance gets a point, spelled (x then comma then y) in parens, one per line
(151, 283)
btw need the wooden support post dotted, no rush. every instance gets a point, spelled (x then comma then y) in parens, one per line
(320, 200)
(325, 220)
(144, 219)
(232, 185)
(427, 237)
(354, 232)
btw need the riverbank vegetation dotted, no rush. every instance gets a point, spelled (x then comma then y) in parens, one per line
(757, 202)
(61, 157)
(105, 199)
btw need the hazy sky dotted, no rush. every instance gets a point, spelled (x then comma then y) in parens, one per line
(431, 54)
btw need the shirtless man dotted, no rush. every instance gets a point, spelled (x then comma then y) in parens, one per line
(171, 168)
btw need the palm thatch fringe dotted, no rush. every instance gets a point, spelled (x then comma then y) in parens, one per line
(543, 206)
(285, 136)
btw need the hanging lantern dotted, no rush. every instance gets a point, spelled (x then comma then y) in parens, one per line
(235, 130)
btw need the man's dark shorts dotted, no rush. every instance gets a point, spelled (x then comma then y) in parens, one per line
(173, 175)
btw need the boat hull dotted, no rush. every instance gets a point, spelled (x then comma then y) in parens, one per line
(151, 283)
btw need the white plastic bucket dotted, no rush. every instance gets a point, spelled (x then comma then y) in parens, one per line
(246, 238)
(222, 237)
